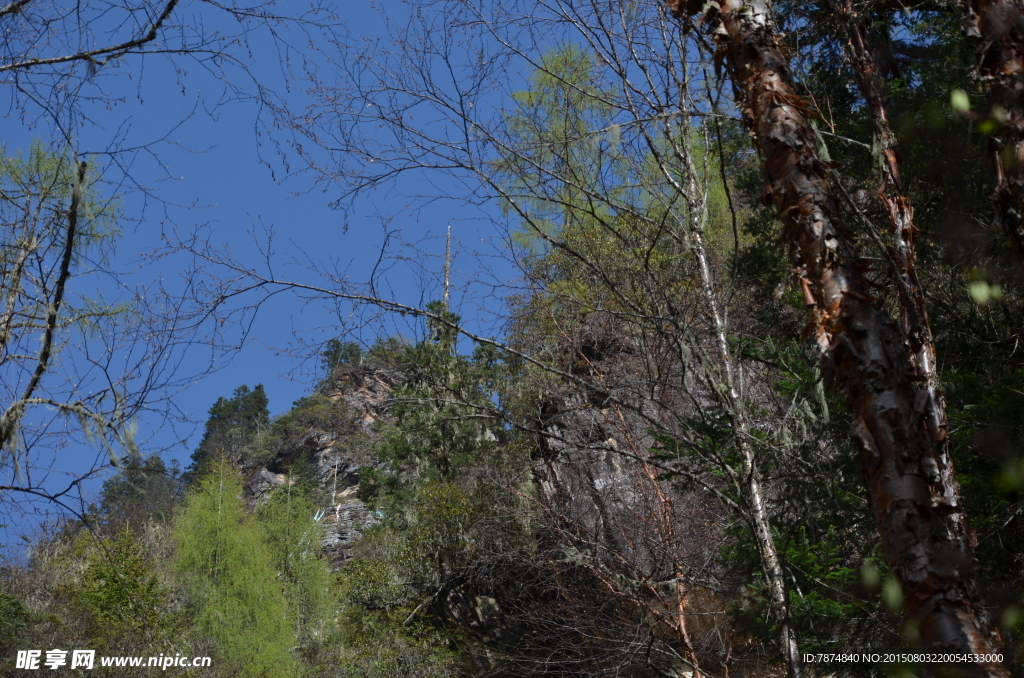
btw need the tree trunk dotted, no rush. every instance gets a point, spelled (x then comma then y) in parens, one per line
(913, 309)
(752, 493)
(911, 485)
(917, 331)
(771, 566)
(1000, 26)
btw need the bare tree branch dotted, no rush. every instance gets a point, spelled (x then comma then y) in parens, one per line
(111, 52)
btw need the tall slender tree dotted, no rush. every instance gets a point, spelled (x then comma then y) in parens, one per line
(913, 309)
(237, 600)
(905, 461)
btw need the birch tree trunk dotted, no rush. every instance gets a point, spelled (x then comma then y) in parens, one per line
(999, 24)
(914, 323)
(913, 311)
(909, 476)
(753, 496)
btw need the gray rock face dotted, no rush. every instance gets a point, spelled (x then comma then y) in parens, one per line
(605, 496)
(367, 391)
(318, 447)
(607, 504)
(344, 524)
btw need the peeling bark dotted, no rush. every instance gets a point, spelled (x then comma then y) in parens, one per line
(999, 25)
(910, 480)
(914, 323)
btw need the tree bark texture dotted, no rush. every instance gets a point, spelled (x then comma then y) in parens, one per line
(999, 25)
(910, 481)
(917, 330)
(771, 565)
(752, 494)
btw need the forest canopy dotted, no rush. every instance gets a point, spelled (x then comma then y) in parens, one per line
(752, 399)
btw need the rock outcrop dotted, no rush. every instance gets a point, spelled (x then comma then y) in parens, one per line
(336, 459)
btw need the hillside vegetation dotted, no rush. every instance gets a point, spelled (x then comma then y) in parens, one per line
(706, 442)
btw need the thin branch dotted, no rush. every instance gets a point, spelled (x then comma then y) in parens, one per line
(114, 51)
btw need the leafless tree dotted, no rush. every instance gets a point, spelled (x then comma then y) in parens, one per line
(57, 57)
(79, 343)
(83, 354)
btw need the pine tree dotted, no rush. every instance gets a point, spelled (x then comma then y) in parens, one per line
(234, 424)
(144, 489)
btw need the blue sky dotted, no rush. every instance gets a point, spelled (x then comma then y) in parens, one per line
(215, 168)
(193, 153)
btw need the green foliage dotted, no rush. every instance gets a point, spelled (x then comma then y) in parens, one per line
(604, 232)
(120, 592)
(438, 532)
(828, 594)
(294, 538)
(377, 640)
(15, 619)
(985, 406)
(835, 592)
(338, 354)
(551, 157)
(443, 416)
(237, 598)
(233, 428)
(372, 584)
(378, 645)
(396, 568)
(318, 412)
(387, 351)
(35, 192)
(610, 247)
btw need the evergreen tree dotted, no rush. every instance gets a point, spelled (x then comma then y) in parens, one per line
(443, 412)
(144, 489)
(341, 354)
(234, 424)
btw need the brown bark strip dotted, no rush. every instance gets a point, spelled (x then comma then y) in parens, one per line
(999, 24)
(911, 486)
(913, 308)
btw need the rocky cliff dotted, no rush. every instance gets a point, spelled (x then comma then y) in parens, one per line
(336, 458)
